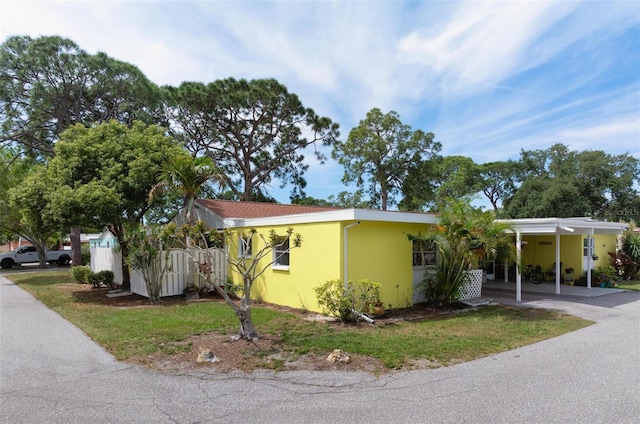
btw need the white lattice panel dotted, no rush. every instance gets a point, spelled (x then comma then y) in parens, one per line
(472, 287)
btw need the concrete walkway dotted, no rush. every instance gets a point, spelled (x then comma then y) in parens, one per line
(50, 372)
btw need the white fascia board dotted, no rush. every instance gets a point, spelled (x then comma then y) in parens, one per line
(564, 226)
(333, 216)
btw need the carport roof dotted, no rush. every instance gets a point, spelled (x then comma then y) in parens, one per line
(565, 226)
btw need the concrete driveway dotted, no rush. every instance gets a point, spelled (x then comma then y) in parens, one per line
(50, 372)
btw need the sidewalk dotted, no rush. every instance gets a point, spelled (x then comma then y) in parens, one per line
(38, 347)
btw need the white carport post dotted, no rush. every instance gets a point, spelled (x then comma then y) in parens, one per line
(518, 270)
(589, 258)
(557, 262)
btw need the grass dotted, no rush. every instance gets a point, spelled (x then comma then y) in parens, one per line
(629, 285)
(132, 331)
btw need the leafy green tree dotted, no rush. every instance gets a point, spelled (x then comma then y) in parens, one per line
(441, 177)
(379, 153)
(254, 131)
(49, 83)
(347, 199)
(310, 201)
(543, 197)
(23, 200)
(103, 175)
(563, 183)
(28, 213)
(497, 181)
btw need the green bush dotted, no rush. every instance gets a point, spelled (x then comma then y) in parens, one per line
(86, 257)
(80, 273)
(94, 279)
(348, 302)
(106, 277)
(605, 272)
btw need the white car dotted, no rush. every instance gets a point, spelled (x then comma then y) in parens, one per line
(28, 254)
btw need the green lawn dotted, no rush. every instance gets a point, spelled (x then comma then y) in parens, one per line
(629, 285)
(128, 332)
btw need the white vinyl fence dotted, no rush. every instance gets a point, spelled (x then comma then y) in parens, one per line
(177, 278)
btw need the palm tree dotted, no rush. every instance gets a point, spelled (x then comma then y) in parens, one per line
(464, 237)
(188, 175)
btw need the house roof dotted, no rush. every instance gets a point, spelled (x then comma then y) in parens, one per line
(248, 210)
(232, 214)
(578, 225)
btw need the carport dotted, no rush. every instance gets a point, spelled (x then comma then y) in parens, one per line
(558, 227)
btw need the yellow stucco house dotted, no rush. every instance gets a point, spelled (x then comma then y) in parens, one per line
(337, 243)
(354, 244)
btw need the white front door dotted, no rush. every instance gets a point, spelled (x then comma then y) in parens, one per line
(587, 252)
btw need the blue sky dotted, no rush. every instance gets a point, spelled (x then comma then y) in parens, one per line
(487, 78)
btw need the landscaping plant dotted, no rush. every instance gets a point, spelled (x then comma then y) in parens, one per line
(146, 255)
(250, 268)
(464, 236)
(631, 247)
(80, 273)
(348, 301)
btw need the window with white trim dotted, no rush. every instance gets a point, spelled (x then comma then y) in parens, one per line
(281, 253)
(245, 246)
(423, 254)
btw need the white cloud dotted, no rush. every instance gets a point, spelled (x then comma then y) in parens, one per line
(484, 42)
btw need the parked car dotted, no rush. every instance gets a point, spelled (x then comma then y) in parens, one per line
(28, 254)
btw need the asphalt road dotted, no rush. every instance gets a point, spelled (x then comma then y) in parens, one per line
(50, 372)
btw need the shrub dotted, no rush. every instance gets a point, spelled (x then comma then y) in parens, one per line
(105, 277)
(86, 257)
(94, 279)
(605, 272)
(80, 273)
(348, 302)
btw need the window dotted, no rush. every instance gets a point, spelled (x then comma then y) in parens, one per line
(245, 247)
(586, 249)
(423, 254)
(281, 253)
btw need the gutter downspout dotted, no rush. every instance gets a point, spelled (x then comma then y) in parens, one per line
(346, 252)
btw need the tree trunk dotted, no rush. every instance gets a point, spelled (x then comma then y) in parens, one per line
(118, 231)
(76, 247)
(126, 276)
(247, 329)
(384, 198)
(41, 249)
(243, 311)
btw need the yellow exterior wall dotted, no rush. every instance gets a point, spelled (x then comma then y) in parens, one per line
(538, 251)
(378, 251)
(316, 261)
(571, 254)
(381, 252)
(603, 244)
